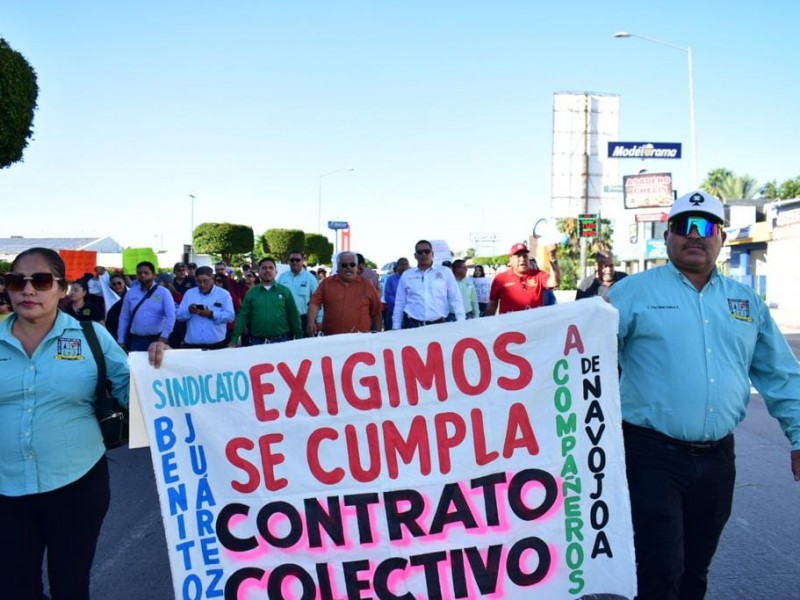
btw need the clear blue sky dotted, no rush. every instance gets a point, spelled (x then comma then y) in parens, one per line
(444, 109)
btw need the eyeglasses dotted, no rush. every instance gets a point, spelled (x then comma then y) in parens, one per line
(349, 265)
(295, 260)
(683, 226)
(423, 251)
(42, 282)
(117, 283)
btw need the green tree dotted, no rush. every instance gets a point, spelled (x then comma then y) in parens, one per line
(725, 185)
(569, 254)
(787, 190)
(18, 93)
(282, 241)
(5, 266)
(715, 180)
(227, 241)
(493, 261)
(261, 247)
(318, 249)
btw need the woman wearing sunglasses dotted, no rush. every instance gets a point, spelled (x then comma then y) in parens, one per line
(54, 487)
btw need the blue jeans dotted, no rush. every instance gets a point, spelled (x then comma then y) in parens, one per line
(140, 343)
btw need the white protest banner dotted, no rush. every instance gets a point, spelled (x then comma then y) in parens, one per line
(461, 460)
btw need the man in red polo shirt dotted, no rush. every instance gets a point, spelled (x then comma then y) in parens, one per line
(522, 286)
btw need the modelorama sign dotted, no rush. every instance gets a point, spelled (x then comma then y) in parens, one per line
(644, 150)
(463, 460)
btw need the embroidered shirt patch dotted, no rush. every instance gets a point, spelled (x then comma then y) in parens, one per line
(740, 310)
(69, 349)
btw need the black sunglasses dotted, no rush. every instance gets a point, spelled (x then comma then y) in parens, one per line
(423, 251)
(41, 282)
(350, 265)
(295, 260)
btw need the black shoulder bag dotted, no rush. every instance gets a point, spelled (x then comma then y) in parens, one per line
(112, 418)
(149, 293)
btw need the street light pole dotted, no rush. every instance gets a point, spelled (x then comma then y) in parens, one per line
(692, 130)
(191, 225)
(319, 194)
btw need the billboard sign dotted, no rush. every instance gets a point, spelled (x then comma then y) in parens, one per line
(647, 190)
(644, 150)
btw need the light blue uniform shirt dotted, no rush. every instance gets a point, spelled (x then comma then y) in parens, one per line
(688, 356)
(49, 435)
(303, 286)
(202, 330)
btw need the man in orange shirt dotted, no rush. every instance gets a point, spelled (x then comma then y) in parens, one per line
(351, 303)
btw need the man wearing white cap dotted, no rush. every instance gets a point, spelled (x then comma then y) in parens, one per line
(523, 285)
(690, 343)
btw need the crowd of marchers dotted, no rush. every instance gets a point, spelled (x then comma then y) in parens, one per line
(691, 343)
(210, 308)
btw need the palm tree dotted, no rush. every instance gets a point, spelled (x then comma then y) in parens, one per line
(714, 181)
(739, 188)
(723, 184)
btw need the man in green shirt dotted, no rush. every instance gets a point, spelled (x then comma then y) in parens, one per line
(268, 311)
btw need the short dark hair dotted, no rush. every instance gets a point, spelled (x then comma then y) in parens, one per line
(458, 262)
(208, 271)
(422, 242)
(300, 252)
(267, 259)
(82, 283)
(148, 264)
(53, 259)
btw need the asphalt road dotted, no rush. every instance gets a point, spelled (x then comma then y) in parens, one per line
(758, 557)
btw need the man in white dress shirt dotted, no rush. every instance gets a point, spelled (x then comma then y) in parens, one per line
(426, 293)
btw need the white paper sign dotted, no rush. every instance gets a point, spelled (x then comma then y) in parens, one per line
(463, 460)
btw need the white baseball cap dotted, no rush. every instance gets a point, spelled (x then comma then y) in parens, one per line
(698, 202)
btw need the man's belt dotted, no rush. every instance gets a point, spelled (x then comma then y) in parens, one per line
(419, 323)
(688, 447)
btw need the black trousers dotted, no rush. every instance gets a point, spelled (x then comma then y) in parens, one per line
(681, 496)
(65, 523)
